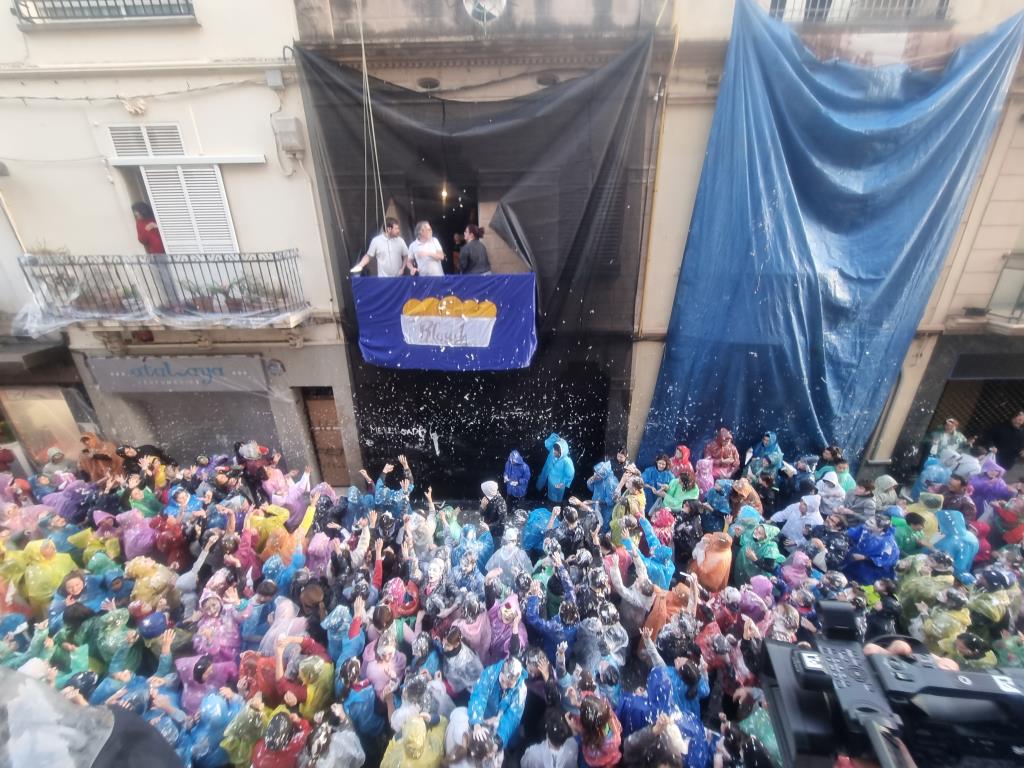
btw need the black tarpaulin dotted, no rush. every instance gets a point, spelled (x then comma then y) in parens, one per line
(563, 170)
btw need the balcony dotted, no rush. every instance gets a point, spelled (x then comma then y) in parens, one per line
(881, 14)
(201, 290)
(34, 14)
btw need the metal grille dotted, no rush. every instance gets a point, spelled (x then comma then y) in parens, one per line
(978, 405)
(182, 286)
(43, 11)
(884, 12)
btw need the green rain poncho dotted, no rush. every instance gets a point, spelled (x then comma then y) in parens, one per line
(907, 539)
(112, 636)
(765, 551)
(676, 495)
(149, 505)
(242, 734)
(915, 587)
(101, 563)
(1010, 651)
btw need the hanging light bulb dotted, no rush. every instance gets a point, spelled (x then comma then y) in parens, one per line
(444, 191)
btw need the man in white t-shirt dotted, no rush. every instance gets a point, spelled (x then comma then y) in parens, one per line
(425, 252)
(389, 249)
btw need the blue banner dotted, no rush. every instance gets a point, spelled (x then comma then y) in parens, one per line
(451, 323)
(829, 198)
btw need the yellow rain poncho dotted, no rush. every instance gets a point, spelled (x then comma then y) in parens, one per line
(318, 677)
(416, 746)
(45, 568)
(152, 582)
(87, 541)
(272, 519)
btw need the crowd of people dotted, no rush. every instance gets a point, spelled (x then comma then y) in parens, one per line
(253, 617)
(425, 256)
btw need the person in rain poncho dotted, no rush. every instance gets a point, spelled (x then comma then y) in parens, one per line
(517, 476)
(510, 559)
(558, 471)
(989, 486)
(758, 553)
(712, 560)
(949, 436)
(602, 485)
(723, 453)
(656, 480)
(493, 508)
(798, 519)
(500, 695)
(682, 487)
(959, 463)
(831, 492)
(873, 552)
(886, 493)
(957, 542)
(460, 664)
(764, 456)
(417, 745)
(680, 460)
(201, 675)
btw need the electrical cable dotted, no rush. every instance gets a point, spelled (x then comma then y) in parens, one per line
(123, 97)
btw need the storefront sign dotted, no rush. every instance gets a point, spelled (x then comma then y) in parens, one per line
(179, 374)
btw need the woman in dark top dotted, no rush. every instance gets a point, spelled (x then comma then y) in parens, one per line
(473, 255)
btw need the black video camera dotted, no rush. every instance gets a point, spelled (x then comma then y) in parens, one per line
(899, 709)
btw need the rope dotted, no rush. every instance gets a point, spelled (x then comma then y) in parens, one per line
(369, 127)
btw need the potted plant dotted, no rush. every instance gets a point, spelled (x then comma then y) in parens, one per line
(261, 296)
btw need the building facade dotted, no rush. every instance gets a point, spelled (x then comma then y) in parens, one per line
(196, 109)
(193, 109)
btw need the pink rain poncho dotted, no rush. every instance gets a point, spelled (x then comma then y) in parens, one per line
(137, 536)
(217, 633)
(220, 674)
(501, 632)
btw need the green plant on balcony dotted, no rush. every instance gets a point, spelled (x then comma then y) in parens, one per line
(208, 299)
(103, 299)
(259, 295)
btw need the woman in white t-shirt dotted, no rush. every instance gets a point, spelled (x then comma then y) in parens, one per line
(426, 252)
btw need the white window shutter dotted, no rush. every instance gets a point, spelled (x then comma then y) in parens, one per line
(129, 141)
(164, 140)
(152, 140)
(191, 208)
(209, 204)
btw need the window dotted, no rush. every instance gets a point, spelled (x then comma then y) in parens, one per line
(157, 140)
(188, 200)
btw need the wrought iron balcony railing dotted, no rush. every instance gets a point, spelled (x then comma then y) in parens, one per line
(234, 289)
(880, 13)
(50, 11)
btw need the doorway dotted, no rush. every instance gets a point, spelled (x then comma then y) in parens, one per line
(325, 429)
(449, 208)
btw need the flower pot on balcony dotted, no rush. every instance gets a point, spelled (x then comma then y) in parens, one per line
(236, 306)
(206, 304)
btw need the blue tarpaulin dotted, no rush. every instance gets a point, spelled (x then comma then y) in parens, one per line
(452, 323)
(828, 202)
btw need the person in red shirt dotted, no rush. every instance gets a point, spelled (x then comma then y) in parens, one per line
(147, 229)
